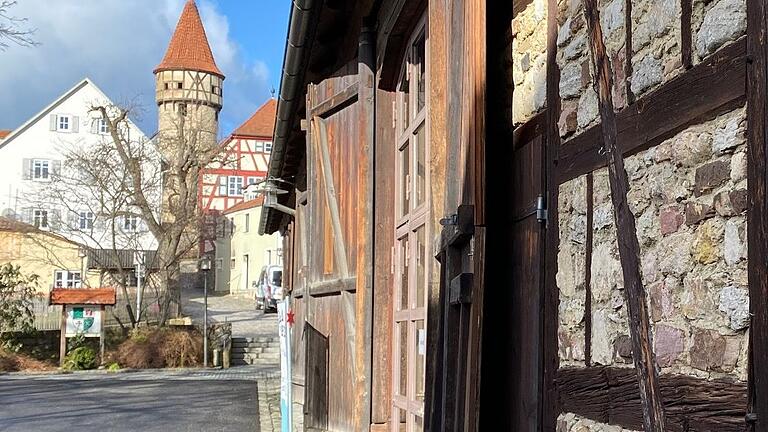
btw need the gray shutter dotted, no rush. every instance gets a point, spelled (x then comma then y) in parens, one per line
(27, 215)
(53, 122)
(56, 167)
(222, 185)
(75, 124)
(94, 125)
(26, 169)
(73, 220)
(54, 219)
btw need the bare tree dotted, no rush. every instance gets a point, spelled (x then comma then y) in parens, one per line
(12, 29)
(184, 149)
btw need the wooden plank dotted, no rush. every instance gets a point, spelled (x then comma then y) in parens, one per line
(716, 84)
(337, 102)
(609, 395)
(89, 296)
(588, 271)
(321, 141)
(529, 130)
(629, 249)
(474, 360)
(364, 215)
(549, 295)
(332, 286)
(384, 215)
(757, 213)
(686, 39)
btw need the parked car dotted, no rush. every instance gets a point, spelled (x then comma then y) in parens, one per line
(269, 288)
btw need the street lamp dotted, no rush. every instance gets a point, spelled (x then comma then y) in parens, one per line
(205, 266)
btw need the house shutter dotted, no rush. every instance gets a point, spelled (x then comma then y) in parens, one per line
(75, 124)
(56, 167)
(53, 122)
(26, 169)
(94, 125)
(223, 185)
(54, 219)
(27, 215)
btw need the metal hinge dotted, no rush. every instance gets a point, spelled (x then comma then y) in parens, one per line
(542, 214)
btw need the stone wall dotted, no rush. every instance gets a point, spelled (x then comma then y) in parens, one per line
(570, 422)
(529, 61)
(689, 199)
(656, 50)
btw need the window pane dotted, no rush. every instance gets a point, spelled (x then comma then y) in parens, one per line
(402, 329)
(404, 101)
(421, 166)
(421, 268)
(419, 424)
(405, 180)
(420, 69)
(420, 350)
(403, 274)
(399, 416)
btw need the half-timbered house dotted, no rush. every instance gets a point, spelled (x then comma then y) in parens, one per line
(243, 161)
(525, 216)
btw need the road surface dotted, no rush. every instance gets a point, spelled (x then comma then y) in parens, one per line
(162, 401)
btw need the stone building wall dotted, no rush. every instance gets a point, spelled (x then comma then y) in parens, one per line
(529, 61)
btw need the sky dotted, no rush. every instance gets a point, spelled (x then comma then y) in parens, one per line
(117, 43)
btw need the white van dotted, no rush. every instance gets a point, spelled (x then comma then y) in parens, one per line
(269, 288)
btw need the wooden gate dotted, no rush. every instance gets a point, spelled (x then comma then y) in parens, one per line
(527, 238)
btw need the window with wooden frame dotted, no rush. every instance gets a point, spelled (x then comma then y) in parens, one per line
(411, 233)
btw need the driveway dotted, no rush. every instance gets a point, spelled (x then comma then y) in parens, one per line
(162, 401)
(239, 310)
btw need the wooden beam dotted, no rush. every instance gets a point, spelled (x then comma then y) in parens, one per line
(711, 87)
(628, 51)
(549, 235)
(588, 271)
(757, 213)
(686, 40)
(335, 103)
(609, 395)
(629, 249)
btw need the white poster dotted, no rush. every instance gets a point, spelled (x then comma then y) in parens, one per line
(83, 319)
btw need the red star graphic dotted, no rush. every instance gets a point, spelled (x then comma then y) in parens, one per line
(289, 318)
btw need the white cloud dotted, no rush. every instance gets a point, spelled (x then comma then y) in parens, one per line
(117, 44)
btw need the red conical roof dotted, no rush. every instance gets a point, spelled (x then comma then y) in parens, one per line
(189, 49)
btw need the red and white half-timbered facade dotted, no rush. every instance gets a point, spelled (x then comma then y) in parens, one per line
(244, 161)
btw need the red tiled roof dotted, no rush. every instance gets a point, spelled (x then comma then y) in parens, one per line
(245, 205)
(4, 133)
(89, 296)
(189, 49)
(8, 224)
(261, 123)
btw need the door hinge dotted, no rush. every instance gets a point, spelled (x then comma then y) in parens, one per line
(542, 214)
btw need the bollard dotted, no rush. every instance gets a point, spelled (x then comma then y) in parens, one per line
(226, 357)
(215, 357)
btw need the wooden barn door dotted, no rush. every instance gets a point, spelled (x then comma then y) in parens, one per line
(337, 233)
(527, 234)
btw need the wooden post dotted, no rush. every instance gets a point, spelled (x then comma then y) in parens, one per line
(757, 219)
(629, 249)
(101, 335)
(63, 337)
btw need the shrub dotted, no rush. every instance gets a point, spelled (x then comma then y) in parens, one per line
(81, 358)
(17, 291)
(149, 348)
(113, 367)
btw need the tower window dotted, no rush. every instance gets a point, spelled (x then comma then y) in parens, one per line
(215, 90)
(178, 85)
(183, 109)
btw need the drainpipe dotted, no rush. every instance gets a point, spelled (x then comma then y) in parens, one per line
(301, 30)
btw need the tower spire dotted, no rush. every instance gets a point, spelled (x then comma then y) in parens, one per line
(189, 48)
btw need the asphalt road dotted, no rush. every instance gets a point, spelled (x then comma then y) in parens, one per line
(143, 402)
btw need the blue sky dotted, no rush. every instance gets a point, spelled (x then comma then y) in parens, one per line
(117, 43)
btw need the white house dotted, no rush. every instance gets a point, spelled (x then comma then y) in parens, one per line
(43, 184)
